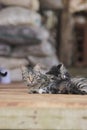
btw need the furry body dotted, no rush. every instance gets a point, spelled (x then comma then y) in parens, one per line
(35, 80)
(70, 85)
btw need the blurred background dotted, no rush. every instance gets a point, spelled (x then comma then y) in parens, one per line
(43, 31)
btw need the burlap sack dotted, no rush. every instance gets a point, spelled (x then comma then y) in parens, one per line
(48, 62)
(30, 4)
(11, 63)
(51, 4)
(18, 16)
(5, 50)
(16, 75)
(41, 50)
(27, 35)
(78, 5)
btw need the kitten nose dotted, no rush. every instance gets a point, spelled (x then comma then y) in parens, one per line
(30, 78)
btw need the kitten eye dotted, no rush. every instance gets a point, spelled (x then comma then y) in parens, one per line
(64, 77)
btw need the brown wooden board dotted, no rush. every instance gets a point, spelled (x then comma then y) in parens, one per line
(20, 110)
(85, 46)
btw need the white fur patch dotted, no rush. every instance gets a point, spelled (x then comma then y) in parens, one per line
(41, 91)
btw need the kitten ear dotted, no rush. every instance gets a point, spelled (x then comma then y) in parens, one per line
(23, 68)
(63, 70)
(59, 66)
(37, 67)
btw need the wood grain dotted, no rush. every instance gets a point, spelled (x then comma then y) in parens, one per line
(20, 110)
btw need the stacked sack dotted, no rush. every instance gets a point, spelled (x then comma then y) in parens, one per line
(23, 38)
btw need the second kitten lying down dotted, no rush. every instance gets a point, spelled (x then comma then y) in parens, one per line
(56, 81)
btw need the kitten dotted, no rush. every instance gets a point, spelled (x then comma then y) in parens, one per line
(68, 84)
(34, 79)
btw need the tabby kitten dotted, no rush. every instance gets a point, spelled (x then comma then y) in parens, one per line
(35, 80)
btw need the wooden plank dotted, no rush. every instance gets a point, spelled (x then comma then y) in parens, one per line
(47, 119)
(66, 40)
(85, 45)
(20, 110)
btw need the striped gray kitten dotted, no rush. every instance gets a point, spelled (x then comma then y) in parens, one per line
(67, 83)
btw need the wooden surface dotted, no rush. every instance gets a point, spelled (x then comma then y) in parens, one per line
(20, 110)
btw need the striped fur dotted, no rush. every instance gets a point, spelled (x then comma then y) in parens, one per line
(77, 85)
(56, 81)
(34, 79)
(80, 83)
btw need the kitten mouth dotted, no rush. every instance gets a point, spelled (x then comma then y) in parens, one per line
(30, 79)
(31, 83)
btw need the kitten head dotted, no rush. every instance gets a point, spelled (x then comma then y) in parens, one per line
(27, 75)
(30, 75)
(59, 71)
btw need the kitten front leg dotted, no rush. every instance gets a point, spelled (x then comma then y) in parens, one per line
(37, 91)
